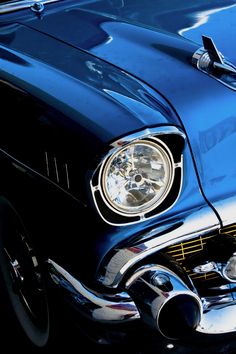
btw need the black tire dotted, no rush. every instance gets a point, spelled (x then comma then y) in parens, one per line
(24, 297)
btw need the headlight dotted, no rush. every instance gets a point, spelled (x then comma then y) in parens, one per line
(137, 177)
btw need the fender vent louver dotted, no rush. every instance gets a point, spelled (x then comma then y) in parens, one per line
(57, 170)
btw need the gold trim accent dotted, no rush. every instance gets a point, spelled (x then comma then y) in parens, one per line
(183, 250)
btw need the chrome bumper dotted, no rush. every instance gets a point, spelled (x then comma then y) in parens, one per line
(200, 222)
(97, 307)
(216, 314)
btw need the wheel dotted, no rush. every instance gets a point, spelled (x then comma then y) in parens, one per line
(21, 279)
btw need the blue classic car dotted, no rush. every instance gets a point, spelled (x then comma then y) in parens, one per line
(118, 177)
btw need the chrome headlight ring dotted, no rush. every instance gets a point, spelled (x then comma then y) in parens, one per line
(140, 177)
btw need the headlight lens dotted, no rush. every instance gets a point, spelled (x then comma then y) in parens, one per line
(138, 177)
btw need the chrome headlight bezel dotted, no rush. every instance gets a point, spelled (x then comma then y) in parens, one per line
(163, 151)
(169, 139)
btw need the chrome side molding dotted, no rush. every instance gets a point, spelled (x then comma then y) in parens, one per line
(36, 6)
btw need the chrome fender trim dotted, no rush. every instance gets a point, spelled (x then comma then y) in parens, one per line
(193, 224)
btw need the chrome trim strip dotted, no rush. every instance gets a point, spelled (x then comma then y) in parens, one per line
(56, 169)
(20, 5)
(146, 133)
(226, 209)
(67, 176)
(47, 163)
(193, 225)
(98, 307)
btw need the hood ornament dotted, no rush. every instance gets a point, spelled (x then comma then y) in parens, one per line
(212, 62)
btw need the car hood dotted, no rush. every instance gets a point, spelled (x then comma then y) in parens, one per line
(155, 41)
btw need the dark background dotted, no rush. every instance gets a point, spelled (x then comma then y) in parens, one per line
(70, 340)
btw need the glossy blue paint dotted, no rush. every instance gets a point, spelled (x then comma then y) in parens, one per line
(128, 35)
(85, 75)
(100, 102)
(113, 77)
(122, 103)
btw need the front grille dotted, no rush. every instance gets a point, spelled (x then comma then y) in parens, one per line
(184, 250)
(229, 230)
